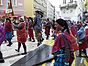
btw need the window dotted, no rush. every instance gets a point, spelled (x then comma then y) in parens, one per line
(0, 2)
(71, 1)
(14, 2)
(71, 11)
(64, 1)
(64, 11)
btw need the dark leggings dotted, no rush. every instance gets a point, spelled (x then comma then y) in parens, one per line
(84, 51)
(9, 40)
(24, 46)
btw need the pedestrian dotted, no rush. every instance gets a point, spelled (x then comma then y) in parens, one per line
(21, 35)
(2, 38)
(38, 27)
(8, 30)
(64, 45)
(82, 40)
(73, 29)
(47, 28)
(30, 29)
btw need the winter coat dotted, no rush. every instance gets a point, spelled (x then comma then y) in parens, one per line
(22, 33)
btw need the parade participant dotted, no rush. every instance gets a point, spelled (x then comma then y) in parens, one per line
(64, 45)
(30, 29)
(21, 35)
(73, 29)
(8, 30)
(53, 29)
(86, 33)
(47, 28)
(38, 27)
(2, 38)
(82, 40)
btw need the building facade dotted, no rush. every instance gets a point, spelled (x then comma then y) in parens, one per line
(80, 10)
(50, 11)
(40, 5)
(57, 15)
(85, 14)
(18, 7)
(44, 6)
(28, 8)
(67, 10)
(31, 6)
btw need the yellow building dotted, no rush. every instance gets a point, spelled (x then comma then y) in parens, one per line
(86, 4)
(28, 8)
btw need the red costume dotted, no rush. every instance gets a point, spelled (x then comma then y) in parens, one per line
(59, 42)
(84, 44)
(73, 30)
(30, 31)
(8, 27)
(22, 34)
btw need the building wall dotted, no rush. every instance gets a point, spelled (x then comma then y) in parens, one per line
(86, 4)
(28, 7)
(80, 9)
(50, 11)
(18, 10)
(40, 5)
(68, 11)
(57, 15)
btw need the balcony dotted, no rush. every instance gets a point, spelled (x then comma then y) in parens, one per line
(69, 5)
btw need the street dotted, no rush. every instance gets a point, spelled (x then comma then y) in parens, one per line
(11, 56)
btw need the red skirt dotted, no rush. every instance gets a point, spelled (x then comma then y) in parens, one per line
(30, 32)
(47, 31)
(84, 44)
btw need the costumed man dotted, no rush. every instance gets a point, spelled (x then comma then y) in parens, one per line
(2, 38)
(38, 27)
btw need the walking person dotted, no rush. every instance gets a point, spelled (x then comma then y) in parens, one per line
(8, 30)
(2, 38)
(64, 45)
(38, 27)
(30, 29)
(47, 28)
(82, 39)
(73, 29)
(21, 35)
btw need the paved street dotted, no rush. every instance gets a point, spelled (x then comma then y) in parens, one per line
(11, 56)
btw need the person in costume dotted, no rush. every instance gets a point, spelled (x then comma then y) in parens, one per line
(64, 45)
